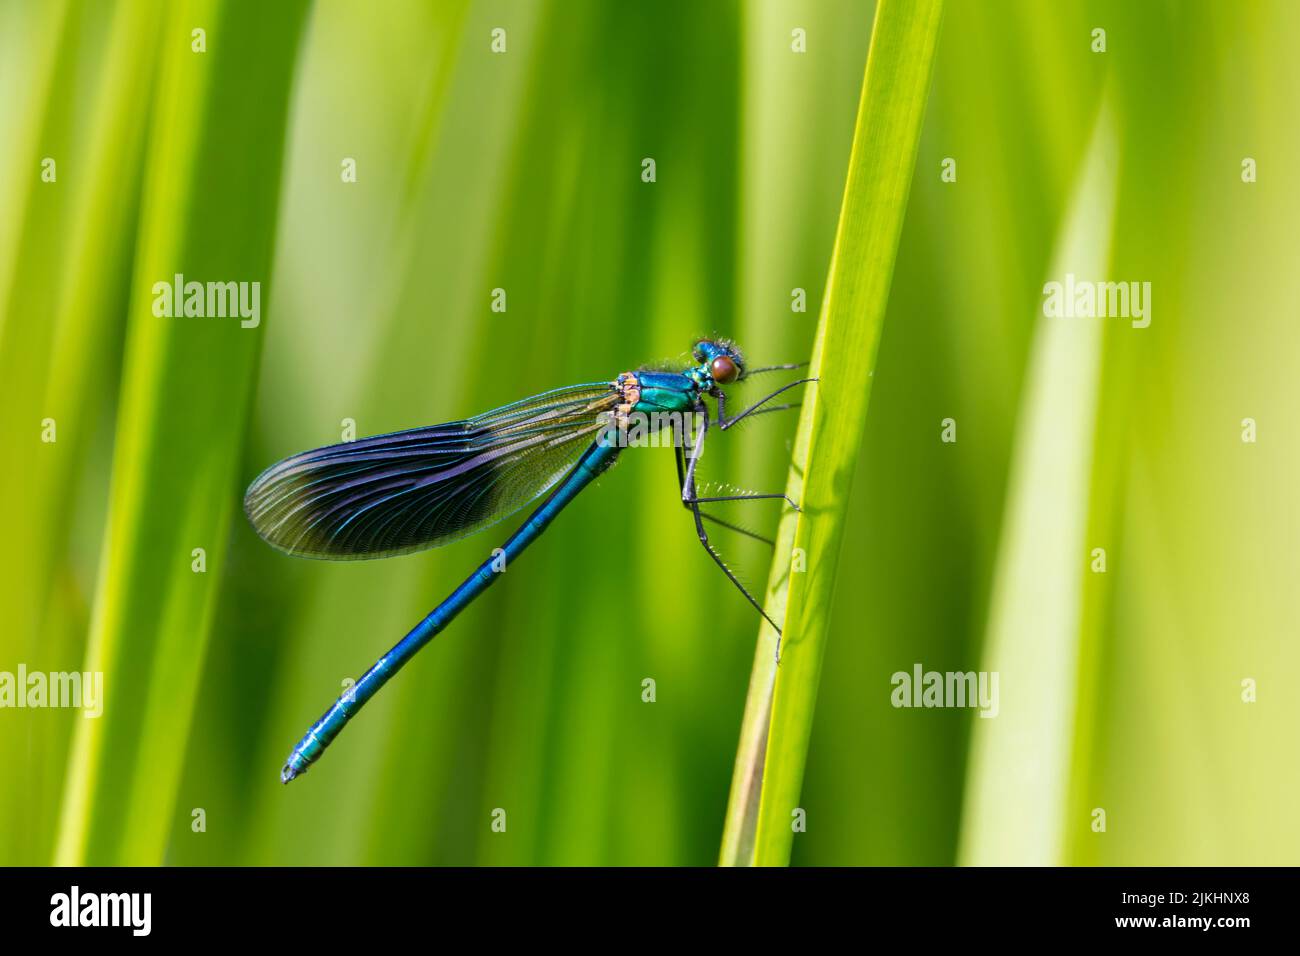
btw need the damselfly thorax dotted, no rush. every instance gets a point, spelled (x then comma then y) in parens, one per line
(655, 409)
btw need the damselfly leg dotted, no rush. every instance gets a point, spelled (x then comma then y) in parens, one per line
(692, 501)
(724, 422)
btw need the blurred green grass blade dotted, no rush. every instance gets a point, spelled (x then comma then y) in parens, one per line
(89, 268)
(778, 714)
(1020, 765)
(37, 50)
(32, 247)
(208, 211)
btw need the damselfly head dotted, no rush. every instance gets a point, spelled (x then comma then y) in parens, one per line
(723, 360)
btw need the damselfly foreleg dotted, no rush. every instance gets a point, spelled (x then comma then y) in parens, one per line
(724, 422)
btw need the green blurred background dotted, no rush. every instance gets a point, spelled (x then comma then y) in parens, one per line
(521, 170)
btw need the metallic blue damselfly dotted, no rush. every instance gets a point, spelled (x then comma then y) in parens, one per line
(408, 490)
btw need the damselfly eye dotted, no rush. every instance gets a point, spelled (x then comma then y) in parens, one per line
(724, 370)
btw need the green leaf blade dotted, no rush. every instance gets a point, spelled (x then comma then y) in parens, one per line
(186, 388)
(778, 719)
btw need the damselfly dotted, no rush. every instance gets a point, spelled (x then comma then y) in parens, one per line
(408, 490)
